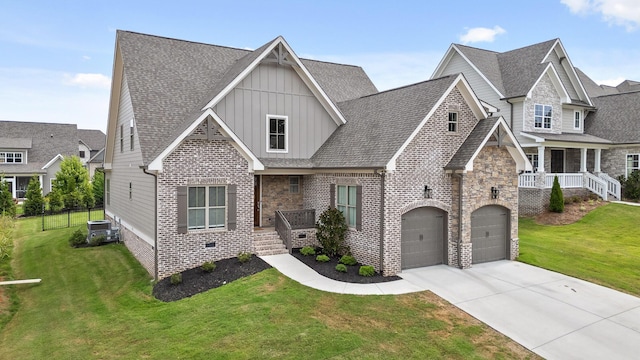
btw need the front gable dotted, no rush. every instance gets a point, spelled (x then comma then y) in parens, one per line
(566, 72)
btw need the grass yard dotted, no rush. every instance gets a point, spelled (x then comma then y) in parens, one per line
(97, 303)
(602, 247)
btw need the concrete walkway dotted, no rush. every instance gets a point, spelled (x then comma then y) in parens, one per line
(556, 316)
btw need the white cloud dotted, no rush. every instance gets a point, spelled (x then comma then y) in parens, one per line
(481, 34)
(86, 57)
(89, 80)
(615, 12)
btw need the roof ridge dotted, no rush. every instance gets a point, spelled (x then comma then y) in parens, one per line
(528, 46)
(404, 87)
(476, 48)
(615, 94)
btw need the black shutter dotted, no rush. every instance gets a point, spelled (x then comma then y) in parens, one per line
(182, 209)
(332, 195)
(359, 208)
(232, 206)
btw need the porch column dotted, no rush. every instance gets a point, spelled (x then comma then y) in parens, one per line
(596, 166)
(541, 159)
(583, 160)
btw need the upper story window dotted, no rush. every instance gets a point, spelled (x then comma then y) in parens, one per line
(633, 163)
(277, 134)
(11, 157)
(131, 135)
(577, 120)
(542, 116)
(453, 121)
(82, 154)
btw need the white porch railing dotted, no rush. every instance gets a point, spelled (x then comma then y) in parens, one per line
(596, 185)
(613, 185)
(527, 180)
(566, 180)
(602, 185)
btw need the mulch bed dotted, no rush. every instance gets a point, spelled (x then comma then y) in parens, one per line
(328, 269)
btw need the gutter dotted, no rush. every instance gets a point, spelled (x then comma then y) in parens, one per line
(155, 227)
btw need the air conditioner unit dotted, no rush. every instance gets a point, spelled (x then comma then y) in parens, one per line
(103, 228)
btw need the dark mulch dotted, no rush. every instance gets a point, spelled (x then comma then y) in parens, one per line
(328, 269)
(195, 281)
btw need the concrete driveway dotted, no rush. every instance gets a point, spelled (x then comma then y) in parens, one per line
(556, 316)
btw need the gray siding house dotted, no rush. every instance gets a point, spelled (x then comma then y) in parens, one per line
(212, 151)
(545, 101)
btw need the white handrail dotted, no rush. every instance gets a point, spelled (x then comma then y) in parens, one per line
(613, 185)
(596, 185)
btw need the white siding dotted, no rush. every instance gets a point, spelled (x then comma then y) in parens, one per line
(518, 120)
(276, 90)
(138, 211)
(567, 121)
(564, 77)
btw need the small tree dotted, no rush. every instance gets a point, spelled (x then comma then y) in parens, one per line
(98, 187)
(55, 200)
(72, 180)
(34, 200)
(7, 206)
(631, 185)
(330, 231)
(556, 202)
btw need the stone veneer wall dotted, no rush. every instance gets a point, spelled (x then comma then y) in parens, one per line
(201, 162)
(614, 160)
(276, 196)
(543, 94)
(142, 250)
(536, 201)
(309, 239)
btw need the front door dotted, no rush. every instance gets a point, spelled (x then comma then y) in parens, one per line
(557, 161)
(256, 200)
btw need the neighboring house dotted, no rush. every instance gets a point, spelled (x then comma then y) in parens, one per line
(222, 143)
(543, 98)
(91, 149)
(30, 148)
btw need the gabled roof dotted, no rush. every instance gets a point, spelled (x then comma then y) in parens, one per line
(94, 139)
(617, 118)
(565, 137)
(47, 141)
(170, 81)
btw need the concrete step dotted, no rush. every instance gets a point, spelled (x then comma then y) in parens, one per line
(268, 243)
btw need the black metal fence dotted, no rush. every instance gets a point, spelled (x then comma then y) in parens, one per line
(70, 217)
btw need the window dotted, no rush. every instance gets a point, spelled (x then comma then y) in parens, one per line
(10, 157)
(131, 135)
(577, 119)
(294, 184)
(107, 190)
(277, 133)
(347, 203)
(633, 163)
(542, 116)
(52, 183)
(121, 139)
(82, 154)
(453, 121)
(533, 159)
(206, 207)
(130, 192)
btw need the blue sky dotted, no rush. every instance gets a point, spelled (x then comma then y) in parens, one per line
(56, 56)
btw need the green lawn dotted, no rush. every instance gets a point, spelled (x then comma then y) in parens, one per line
(96, 303)
(603, 247)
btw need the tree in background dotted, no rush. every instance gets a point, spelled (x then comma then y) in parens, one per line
(7, 206)
(631, 185)
(556, 202)
(98, 187)
(72, 184)
(33, 203)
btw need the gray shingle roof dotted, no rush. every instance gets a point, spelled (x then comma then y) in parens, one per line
(170, 80)
(569, 137)
(287, 163)
(94, 139)
(617, 118)
(462, 157)
(378, 125)
(15, 143)
(48, 140)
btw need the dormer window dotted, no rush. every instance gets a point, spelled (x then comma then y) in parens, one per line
(11, 157)
(577, 120)
(453, 121)
(542, 116)
(277, 136)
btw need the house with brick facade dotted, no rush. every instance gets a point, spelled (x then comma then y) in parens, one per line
(212, 151)
(545, 101)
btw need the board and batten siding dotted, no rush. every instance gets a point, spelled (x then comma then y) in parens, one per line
(562, 73)
(276, 90)
(567, 121)
(482, 89)
(137, 212)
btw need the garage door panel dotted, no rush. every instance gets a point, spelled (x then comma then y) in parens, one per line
(489, 234)
(422, 242)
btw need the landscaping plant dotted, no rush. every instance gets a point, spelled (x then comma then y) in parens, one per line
(330, 231)
(176, 279)
(34, 200)
(348, 260)
(6, 237)
(307, 250)
(97, 240)
(366, 270)
(322, 258)
(78, 238)
(7, 206)
(631, 185)
(556, 202)
(341, 268)
(208, 266)
(244, 257)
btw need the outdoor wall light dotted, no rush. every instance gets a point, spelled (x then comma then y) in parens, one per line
(427, 192)
(494, 192)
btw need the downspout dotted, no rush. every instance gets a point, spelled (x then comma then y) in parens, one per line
(155, 227)
(511, 116)
(459, 245)
(382, 177)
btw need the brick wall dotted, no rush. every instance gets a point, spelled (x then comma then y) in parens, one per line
(142, 250)
(276, 196)
(201, 162)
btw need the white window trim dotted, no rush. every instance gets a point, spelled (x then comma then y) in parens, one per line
(456, 123)
(286, 133)
(23, 157)
(207, 207)
(626, 164)
(534, 160)
(354, 207)
(579, 113)
(542, 123)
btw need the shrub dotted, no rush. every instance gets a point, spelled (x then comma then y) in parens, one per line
(322, 258)
(348, 260)
(631, 185)
(556, 202)
(208, 266)
(6, 236)
(307, 250)
(97, 240)
(7, 206)
(330, 231)
(341, 268)
(78, 238)
(34, 200)
(176, 279)
(55, 201)
(366, 270)
(244, 257)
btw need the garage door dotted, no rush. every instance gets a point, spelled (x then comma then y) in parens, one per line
(489, 233)
(423, 237)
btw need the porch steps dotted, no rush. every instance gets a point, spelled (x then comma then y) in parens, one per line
(268, 243)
